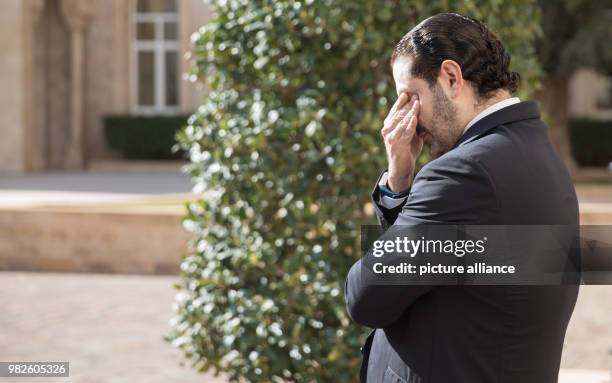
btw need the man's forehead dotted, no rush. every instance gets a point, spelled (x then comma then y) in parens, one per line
(402, 68)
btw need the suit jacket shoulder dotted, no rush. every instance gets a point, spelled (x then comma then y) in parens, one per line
(455, 188)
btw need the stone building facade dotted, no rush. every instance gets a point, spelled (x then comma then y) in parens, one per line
(68, 63)
(590, 95)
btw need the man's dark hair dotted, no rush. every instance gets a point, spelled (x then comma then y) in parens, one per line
(448, 36)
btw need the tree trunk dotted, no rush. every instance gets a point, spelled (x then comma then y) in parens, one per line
(553, 97)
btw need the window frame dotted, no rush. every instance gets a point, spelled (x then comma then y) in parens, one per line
(159, 46)
(604, 111)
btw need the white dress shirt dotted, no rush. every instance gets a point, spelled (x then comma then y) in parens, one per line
(390, 203)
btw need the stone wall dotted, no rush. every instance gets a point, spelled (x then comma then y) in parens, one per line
(108, 55)
(50, 116)
(12, 95)
(587, 87)
(102, 56)
(53, 39)
(86, 241)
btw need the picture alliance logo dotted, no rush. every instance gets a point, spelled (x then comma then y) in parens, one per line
(405, 246)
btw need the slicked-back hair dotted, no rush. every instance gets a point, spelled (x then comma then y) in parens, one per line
(448, 36)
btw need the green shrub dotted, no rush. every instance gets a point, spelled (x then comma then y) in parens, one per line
(591, 141)
(144, 137)
(285, 149)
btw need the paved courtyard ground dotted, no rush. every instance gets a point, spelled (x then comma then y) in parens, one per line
(110, 328)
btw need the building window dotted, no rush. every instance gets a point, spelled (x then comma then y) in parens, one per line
(155, 56)
(604, 101)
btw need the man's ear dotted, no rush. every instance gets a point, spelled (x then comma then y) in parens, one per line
(451, 77)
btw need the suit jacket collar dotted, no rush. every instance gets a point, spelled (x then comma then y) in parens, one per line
(522, 111)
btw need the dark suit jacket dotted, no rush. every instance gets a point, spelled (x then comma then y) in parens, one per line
(502, 171)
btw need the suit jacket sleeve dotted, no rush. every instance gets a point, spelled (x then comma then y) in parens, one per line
(384, 216)
(449, 190)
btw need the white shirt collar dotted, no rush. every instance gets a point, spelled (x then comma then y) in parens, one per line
(493, 108)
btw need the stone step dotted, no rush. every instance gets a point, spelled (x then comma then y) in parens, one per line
(90, 240)
(583, 376)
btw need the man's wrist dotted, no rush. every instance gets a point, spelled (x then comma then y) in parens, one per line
(399, 184)
(385, 190)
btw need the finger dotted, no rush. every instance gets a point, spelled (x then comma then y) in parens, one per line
(416, 110)
(411, 119)
(399, 129)
(416, 107)
(416, 145)
(396, 119)
(408, 114)
(399, 103)
(404, 133)
(408, 124)
(411, 127)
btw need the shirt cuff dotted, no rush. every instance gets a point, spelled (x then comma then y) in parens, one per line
(390, 203)
(387, 201)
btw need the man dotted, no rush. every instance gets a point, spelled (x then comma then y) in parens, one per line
(494, 165)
